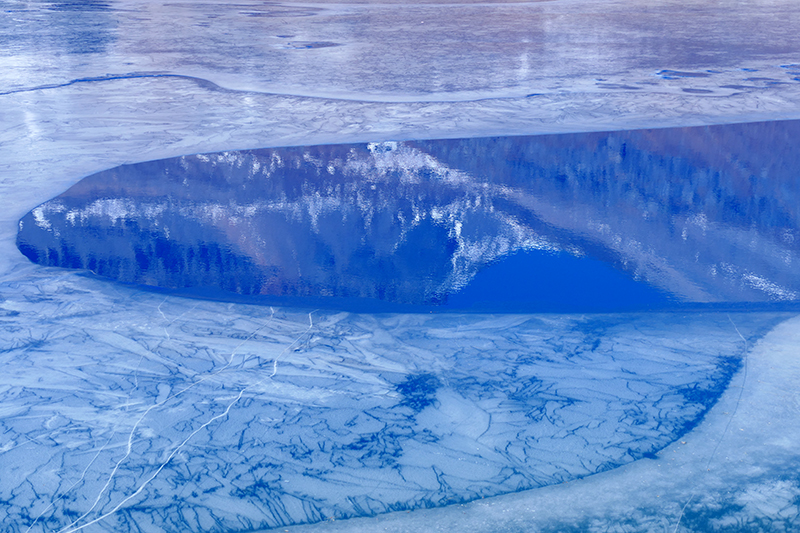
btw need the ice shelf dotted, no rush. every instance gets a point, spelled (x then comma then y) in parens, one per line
(125, 409)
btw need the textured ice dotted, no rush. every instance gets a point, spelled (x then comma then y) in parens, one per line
(87, 86)
(736, 472)
(226, 416)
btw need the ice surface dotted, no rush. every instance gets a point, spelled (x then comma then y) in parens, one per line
(226, 416)
(736, 472)
(86, 86)
(380, 51)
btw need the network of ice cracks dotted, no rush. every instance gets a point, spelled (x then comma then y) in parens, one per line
(129, 411)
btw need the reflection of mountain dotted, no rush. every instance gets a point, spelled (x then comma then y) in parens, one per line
(707, 213)
(704, 214)
(379, 221)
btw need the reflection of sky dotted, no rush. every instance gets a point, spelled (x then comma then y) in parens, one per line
(125, 409)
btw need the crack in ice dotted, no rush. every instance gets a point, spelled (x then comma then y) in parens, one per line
(70, 529)
(727, 426)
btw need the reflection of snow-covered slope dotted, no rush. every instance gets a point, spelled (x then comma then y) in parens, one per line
(384, 221)
(707, 214)
(415, 222)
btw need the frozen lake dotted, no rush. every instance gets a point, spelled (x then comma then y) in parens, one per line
(479, 266)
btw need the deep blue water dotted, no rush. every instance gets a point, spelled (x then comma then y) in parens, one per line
(646, 219)
(573, 284)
